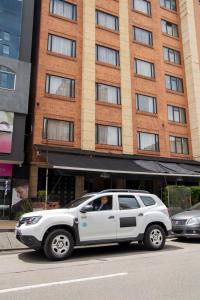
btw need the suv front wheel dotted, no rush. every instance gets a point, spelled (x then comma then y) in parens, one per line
(154, 237)
(58, 244)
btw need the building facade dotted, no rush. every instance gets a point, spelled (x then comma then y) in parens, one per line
(111, 105)
(16, 21)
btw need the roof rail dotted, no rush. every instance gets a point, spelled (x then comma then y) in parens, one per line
(123, 191)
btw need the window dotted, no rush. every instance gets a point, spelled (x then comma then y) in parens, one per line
(108, 135)
(178, 145)
(6, 50)
(108, 93)
(107, 55)
(101, 204)
(169, 28)
(174, 83)
(7, 78)
(107, 20)
(147, 200)
(61, 45)
(142, 6)
(176, 114)
(60, 86)
(172, 55)
(64, 9)
(58, 130)
(169, 4)
(146, 103)
(10, 27)
(142, 36)
(144, 68)
(148, 141)
(128, 202)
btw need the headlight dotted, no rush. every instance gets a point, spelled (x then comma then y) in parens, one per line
(33, 220)
(193, 221)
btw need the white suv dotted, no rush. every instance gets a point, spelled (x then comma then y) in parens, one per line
(109, 216)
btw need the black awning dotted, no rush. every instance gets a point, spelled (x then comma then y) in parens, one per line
(117, 164)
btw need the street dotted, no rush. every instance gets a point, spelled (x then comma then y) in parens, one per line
(106, 272)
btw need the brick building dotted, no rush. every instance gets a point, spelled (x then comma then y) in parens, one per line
(110, 96)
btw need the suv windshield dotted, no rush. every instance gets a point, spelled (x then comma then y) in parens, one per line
(77, 202)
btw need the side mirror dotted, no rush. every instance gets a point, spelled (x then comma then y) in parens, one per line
(86, 209)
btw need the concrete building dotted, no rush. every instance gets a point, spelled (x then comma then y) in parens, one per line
(115, 96)
(16, 21)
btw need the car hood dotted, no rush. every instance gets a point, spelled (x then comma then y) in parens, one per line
(186, 214)
(50, 212)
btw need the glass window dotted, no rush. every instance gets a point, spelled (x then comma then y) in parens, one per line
(107, 55)
(142, 6)
(148, 141)
(60, 86)
(108, 93)
(107, 20)
(172, 55)
(61, 45)
(64, 9)
(7, 78)
(174, 83)
(147, 200)
(146, 103)
(108, 135)
(102, 203)
(169, 4)
(142, 36)
(128, 202)
(179, 145)
(58, 130)
(10, 27)
(169, 28)
(176, 114)
(144, 68)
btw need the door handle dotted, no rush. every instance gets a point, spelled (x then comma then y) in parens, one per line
(111, 217)
(141, 215)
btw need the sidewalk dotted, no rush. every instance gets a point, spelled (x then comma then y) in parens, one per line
(8, 240)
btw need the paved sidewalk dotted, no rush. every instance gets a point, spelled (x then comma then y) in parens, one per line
(8, 240)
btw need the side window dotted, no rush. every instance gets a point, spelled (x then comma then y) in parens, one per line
(102, 203)
(128, 202)
(148, 201)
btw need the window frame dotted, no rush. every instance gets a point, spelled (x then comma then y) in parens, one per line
(111, 15)
(117, 57)
(118, 94)
(182, 139)
(148, 13)
(154, 99)
(157, 142)
(51, 9)
(72, 86)
(50, 42)
(119, 135)
(175, 52)
(179, 110)
(165, 6)
(150, 44)
(45, 130)
(150, 63)
(172, 25)
(9, 71)
(177, 80)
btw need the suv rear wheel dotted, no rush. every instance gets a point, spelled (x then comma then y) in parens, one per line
(58, 244)
(154, 237)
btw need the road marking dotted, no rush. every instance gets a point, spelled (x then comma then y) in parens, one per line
(29, 287)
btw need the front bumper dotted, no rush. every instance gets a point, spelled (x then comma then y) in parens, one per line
(28, 240)
(186, 231)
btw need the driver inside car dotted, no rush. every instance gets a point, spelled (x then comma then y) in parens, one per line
(103, 204)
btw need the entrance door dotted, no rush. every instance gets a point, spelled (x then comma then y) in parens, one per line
(129, 217)
(99, 223)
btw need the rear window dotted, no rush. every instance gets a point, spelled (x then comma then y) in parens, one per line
(128, 202)
(147, 200)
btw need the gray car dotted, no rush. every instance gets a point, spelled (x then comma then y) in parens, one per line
(187, 223)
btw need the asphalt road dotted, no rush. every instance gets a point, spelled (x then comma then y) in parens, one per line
(107, 272)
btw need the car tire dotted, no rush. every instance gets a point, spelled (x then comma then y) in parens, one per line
(154, 238)
(58, 245)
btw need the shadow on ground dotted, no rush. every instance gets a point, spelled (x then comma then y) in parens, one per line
(187, 240)
(101, 253)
